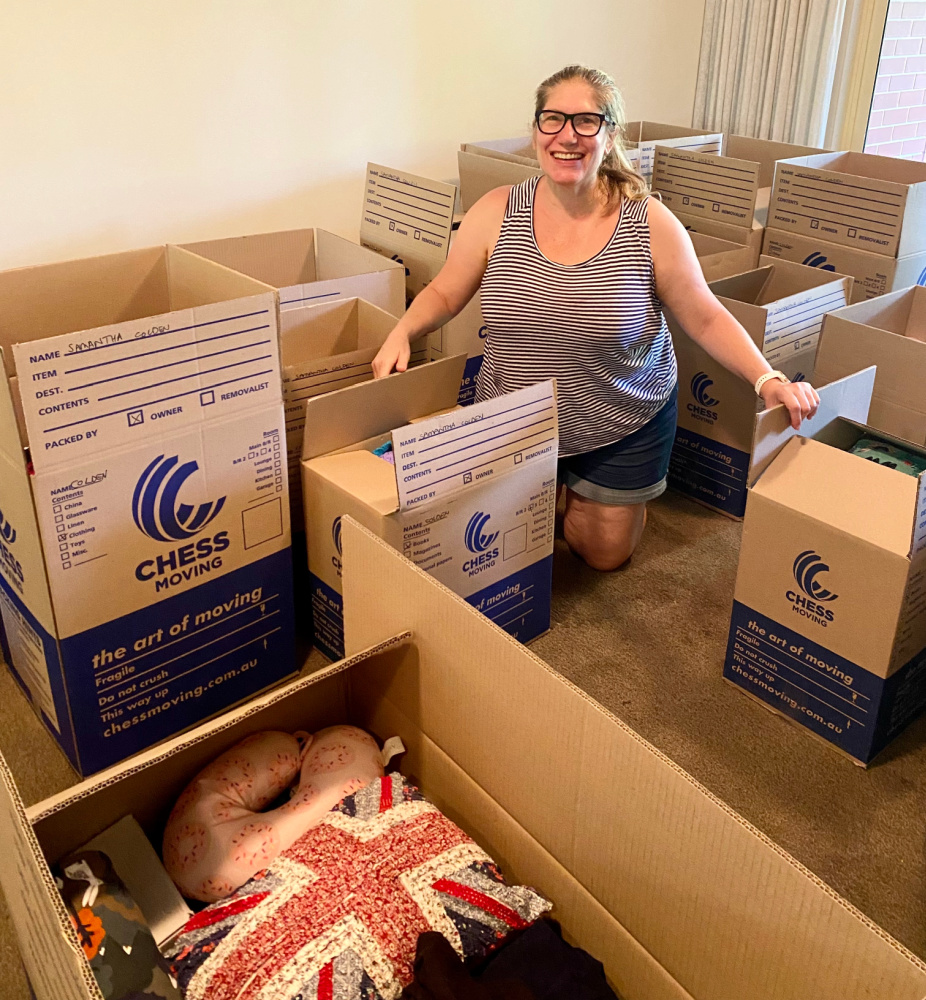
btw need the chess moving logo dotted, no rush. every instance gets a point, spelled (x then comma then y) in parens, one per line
(808, 565)
(817, 259)
(702, 409)
(161, 516)
(9, 564)
(480, 543)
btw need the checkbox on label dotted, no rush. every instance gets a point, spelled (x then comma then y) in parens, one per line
(65, 565)
(136, 418)
(64, 555)
(63, 547)
(62, 538)
(417, 234)
(518, 458)
(716, 207)
(852, 233)
(814, 223)
(391, 227)
(467, 477)
(686, 200)
(58, 518)
(206, 398)
(56, 509)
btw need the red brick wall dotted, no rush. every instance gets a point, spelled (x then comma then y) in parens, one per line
(897, 126)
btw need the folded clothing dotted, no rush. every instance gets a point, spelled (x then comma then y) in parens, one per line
(339, 913)
(890, 455)
(112, 932)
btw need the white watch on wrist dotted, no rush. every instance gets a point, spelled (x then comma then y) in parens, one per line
(762, 379)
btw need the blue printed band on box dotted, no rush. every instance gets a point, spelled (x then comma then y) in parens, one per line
(146, 564)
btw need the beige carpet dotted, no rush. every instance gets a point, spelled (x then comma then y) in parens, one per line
(648, 643)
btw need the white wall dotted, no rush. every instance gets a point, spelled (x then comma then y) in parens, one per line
(132, 122)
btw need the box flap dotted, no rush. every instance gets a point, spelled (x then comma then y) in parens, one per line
(519, 149)
(678, 869)
(480, 174)
(747, 287)
(342, 418)
(720, 187)
(407, 214)
(843, 490)
(53, 960)
(849, 397)
(766, 153)
(440, 457)
(107, 382)
(278, 259)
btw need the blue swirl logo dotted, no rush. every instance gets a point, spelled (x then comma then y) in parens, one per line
(699, 386)
(807, 566)
(7, 531)
(816, 259)
(921, 280)
(336, 533)
(475, 540)
(155, 506)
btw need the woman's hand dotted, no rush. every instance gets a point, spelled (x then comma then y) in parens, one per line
(393, 355)
(800, 398)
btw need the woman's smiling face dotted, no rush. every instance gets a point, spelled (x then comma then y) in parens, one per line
(567, 158)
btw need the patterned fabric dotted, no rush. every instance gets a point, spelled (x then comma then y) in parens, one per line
(219, 832)
(893, 457)
(110, 928)
(338, 915)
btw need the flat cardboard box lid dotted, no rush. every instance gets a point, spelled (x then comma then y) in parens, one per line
(339, 419)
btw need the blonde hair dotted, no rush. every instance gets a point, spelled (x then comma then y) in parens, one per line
(616, 175)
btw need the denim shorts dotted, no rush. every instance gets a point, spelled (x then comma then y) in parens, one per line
(632, 470)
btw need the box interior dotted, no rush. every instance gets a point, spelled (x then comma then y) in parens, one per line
(879, 168)
(329, 329)
(279, 259)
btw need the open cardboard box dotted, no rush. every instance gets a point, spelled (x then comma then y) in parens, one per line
(890, 332)
(733, 189)
(874, 273)
(781, 305)
(875, 203)
(471, 496)
(145, 563)
(326, 347)
(828, 626)
(721, 258)
(308, 266)
(675, 893)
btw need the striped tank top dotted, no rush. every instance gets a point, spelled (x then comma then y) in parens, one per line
(596, 327)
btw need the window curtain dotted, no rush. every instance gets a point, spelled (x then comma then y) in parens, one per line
(767, 68)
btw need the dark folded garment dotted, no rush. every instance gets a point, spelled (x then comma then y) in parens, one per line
(533, 964)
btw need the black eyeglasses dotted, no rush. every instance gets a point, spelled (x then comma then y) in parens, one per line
(585, 123)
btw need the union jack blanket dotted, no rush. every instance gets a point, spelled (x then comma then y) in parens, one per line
(338, 915)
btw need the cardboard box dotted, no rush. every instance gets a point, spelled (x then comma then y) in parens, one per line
(677, 895)
(424, 254)
(732, 188)
(781, 305)
(642, 139)
(721, 258)
(889, 332)
(145, 569)
(484, 166)
(751, 237)
(326, 347)
(874, 273)
(471, 497)
(876, 203)
(829, 618)
(309, 266)
(409, 219)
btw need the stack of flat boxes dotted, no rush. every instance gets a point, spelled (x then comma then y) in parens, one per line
(852, 213)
